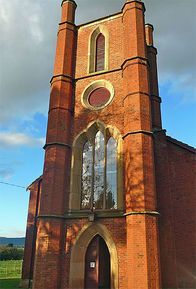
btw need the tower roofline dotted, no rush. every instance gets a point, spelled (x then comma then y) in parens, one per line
(68, 1)
(111, 15)
(137, 1)
(148, 24)
(181, 144)
(99, 19)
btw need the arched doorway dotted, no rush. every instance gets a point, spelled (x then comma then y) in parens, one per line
(97, 265)
(78, 254)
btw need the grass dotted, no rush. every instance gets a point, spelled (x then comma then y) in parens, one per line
(9, 283)
(10, 274)
(10, 269)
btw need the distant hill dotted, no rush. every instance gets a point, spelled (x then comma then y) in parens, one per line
(15, 241)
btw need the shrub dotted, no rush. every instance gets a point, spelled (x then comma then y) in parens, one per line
(11, 253)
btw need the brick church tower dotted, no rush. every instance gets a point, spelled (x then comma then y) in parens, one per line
(107, 212)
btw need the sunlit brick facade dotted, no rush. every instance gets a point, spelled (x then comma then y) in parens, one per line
(105, 80)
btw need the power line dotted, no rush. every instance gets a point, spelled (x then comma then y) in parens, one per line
(13, 185)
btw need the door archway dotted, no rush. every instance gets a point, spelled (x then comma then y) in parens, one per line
(97, 265)
(78, 254)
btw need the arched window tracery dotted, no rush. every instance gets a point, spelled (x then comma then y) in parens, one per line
(111, 190)
(99, 173)
(87, 166)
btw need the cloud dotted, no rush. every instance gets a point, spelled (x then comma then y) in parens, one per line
(6, 173)
(28, 38)
(174, 23)
(8, 139)
(8, 168)
(27, 53)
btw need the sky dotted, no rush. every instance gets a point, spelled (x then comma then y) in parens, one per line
(27, 49)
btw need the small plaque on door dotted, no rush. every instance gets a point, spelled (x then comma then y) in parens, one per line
(92, 264)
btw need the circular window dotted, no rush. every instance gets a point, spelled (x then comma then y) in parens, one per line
(98, 95)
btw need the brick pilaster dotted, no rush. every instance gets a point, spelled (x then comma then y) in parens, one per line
(57, 165)
(140, 189)
(153, 78)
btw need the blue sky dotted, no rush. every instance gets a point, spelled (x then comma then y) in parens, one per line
(20, 163)
(26, 68)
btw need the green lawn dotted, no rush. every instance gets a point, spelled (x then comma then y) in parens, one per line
(10, 269)
(10, 274)
(9, 283)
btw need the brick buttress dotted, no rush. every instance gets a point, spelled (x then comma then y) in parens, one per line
(56, 175)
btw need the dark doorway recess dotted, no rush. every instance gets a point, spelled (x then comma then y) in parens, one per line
(97, 265)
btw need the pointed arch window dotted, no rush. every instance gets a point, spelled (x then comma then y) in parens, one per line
(98, 50)
(99, 173)
(111, 169)
(87, 175)
(100, 53)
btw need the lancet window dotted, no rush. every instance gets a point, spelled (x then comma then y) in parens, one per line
(99, 173)
(100, 53)
(98, 50)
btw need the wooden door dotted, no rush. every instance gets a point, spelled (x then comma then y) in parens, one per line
(97, 265)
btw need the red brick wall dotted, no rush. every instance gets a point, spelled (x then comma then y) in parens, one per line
(175, 176)
(112, 114)
(31, 230)
(130, 113)
(182, 168)
(117, 229)
(116, 46)
(136, 235)
(176, 189)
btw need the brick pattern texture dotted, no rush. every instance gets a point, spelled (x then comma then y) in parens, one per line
(154, 251)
